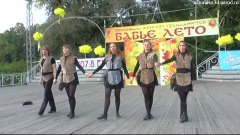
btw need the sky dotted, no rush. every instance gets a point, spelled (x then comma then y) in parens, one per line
(14, 11)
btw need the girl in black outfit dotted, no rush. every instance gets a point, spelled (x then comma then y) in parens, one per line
(183, 77)
(48, 70)
(113, 78)
(146, 77)
(67, 66)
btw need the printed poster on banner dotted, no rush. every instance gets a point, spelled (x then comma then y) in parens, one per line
(132, 49)
(167, 48)
(229, 60)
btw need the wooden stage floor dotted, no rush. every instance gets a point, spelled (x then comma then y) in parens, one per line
(213, 108)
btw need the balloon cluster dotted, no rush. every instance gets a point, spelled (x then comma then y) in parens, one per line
(37, 36)
(85, 49)
(99, 50)
(60, 12)
(225, 40)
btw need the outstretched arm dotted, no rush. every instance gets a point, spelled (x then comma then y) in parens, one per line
(155, 60)
(125, 68)
(135, 71)
(99, 67)
(173, 58)
(79, 66)
(53, 62)
(136, 68)
(191, 70)
(58, 71)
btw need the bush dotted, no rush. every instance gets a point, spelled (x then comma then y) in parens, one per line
(15, 67)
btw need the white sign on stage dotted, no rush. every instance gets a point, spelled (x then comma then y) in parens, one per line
(88, 63)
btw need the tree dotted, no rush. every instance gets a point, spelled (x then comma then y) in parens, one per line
(117, 13)
(79, 31)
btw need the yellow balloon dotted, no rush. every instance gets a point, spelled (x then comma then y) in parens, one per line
(225, 40)
(37, 36)
(85, 49)
(60, 12)
(237, 36)
(99, 50)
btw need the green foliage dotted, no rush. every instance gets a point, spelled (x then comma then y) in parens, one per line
(14, 67)
(81, 31)
(12, 44)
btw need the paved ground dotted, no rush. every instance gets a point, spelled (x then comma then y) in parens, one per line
(212, 108)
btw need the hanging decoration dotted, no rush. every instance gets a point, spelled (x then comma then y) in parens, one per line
(99, 50)
(60, 13)
(225, 40)
(85, 49)
(38, 36)
(237, 36)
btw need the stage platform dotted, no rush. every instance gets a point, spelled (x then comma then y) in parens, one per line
(213, 108)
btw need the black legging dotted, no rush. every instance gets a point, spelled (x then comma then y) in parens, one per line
(48, 96)
(107, 100)
(70, 90)
(148, 97)
(183, 99)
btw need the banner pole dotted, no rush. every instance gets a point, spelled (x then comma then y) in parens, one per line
(104, 27)
(195, 9)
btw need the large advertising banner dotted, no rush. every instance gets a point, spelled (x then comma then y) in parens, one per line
(164, 38)
(163, 48)
(229, 60)
(191, 28)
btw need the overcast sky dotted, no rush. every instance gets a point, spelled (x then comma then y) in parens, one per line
(14, 11)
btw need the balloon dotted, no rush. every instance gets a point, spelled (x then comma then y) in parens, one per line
(225, 40)
(85, 49)
(99, 50)
(37, 36)
(60, 12)
(237, 36)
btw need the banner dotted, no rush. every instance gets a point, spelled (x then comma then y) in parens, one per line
(167, 48)
(191, 28)
(132, 50)
(162, 47)
(229, 60)
(88, 63)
